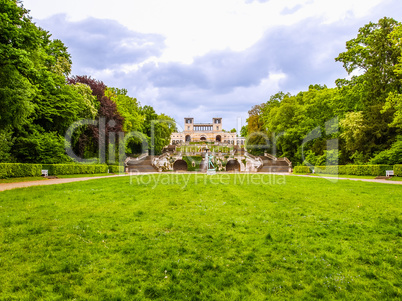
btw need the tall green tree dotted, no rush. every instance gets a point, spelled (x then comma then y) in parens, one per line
(19, 39)
(373, 54)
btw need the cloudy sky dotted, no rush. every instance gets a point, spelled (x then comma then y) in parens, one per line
(208, 58)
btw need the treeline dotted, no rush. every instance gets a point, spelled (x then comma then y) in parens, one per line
(363, 114)
(39, 100)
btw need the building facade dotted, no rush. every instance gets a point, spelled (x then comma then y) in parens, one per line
(208, 132)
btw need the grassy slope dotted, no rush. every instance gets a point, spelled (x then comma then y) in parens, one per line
(109, 240)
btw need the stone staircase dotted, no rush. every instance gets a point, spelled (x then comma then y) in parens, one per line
(270, 165)
(239, 151)
(143, 165)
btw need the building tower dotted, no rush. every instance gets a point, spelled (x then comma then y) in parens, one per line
(217, 123)
(188, 124)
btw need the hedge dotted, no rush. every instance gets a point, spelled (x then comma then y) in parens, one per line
(73, 169)
(398, 170)
(17, 170)
(357, 170)
(301, 169)
(190, 159)
(116, 169)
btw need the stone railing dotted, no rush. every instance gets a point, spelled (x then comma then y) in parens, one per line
(142, 156)
(256, 161)
(159, 161)
(286, 160)
(278, 159)
(270, 156)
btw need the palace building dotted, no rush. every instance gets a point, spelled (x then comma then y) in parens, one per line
(208, 132)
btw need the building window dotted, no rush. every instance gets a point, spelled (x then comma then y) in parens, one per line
(188, 128)
(217, 127)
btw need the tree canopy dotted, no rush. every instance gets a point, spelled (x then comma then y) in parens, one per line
(368, 105)
(39, 100)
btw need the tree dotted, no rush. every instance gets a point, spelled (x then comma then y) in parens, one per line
(244, 131)
(6, 143)
(390, 156)
(128, 107)
(394, 99)
(19, 38)
(88, 142)
(373, 53)
(254, 121)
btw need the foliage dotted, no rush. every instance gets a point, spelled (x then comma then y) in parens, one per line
(116, 169)
(244, 131)
(373, 53)
(14, 170)
(193, 159)
(257, 143)
(398, 170)
(358, 170)
(74, 169)
(128, 107)
(19, 39)
(41, 147)
(301, 169)
(39, 101)
(6, 142)
(254, 121)
(390, 156)
(368, 105)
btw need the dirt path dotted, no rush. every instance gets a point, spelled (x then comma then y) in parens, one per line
(353, 179)
(8, 186)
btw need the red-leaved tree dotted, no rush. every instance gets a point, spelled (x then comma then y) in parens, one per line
(89, 139)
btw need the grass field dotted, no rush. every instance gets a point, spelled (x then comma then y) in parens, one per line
(25, 179)
(85, 175)
(29, 179)
(225, 237)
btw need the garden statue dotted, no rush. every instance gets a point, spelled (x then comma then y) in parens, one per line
(211, 168)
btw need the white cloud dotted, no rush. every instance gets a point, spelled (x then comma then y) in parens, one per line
(209, 57)
(193, 28)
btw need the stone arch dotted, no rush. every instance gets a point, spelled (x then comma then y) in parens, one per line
(188, 138)
(232, 165)
(218, 138)
(203, 138)
(180, 165)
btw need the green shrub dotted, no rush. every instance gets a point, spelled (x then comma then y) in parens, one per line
(390, 156)
(17, 170)
(116, 169)
(398, 170)
(356, 170)
(190, 159)
(301, 169)
(73, 169)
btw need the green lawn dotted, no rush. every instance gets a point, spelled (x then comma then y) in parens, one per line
(85, 175)
(28, 179)
(25, 179)
(352, 177)
(343, 176)
(217, 238)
